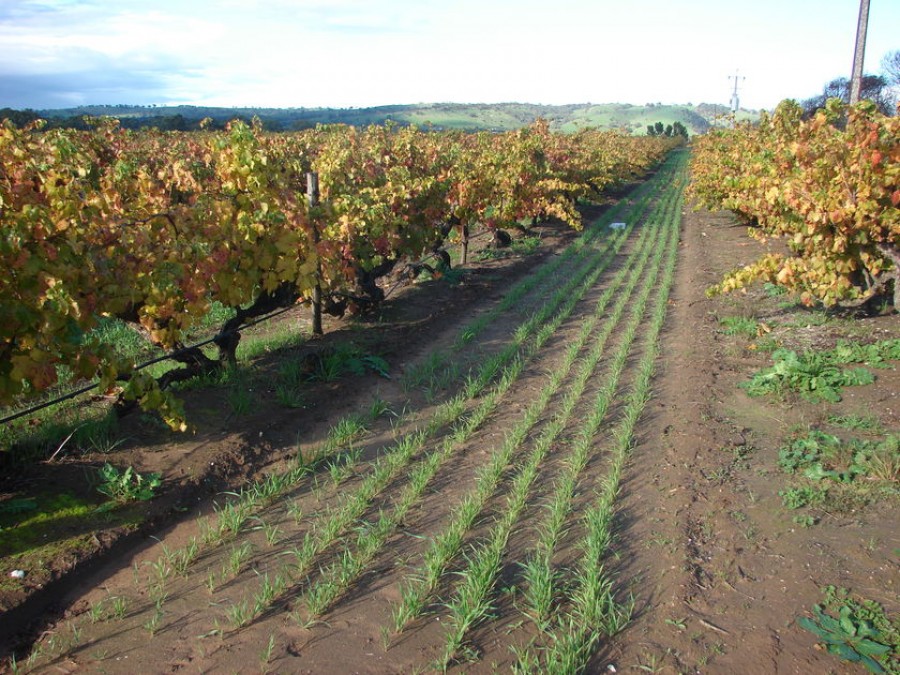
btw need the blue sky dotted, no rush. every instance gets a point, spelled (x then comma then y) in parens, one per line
(307, 53)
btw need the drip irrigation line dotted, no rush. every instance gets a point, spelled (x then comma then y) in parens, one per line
(159, 359)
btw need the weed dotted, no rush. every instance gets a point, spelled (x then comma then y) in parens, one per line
(239, 399)
(739, 325)
(522, 246)
(865, 423)
(883, 463)
(680, 624)
(98, 435)
(820, 456)
(126, 486)
(856, 631)
(348, 360)
(347, 429)
(811, 375)
(796, 498)
(378, 408)
(289, 396)
(804, 520)
(818, 375)
(774, 290)
(649, 663)
(767, 345)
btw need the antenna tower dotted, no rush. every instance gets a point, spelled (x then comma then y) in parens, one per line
(735, 101)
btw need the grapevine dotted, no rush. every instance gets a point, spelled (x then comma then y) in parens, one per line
(153, 227)
(828, 186)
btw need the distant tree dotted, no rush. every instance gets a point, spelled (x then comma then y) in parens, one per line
(172, 123)
(890, 65)
(678, 129)
(669, 130)
(660, 128)
(18, 117)
(875, 88)
(651, 130)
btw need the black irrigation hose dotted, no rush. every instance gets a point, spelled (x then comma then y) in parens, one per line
(159, 359)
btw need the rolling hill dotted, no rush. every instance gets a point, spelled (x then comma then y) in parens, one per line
(476, 116)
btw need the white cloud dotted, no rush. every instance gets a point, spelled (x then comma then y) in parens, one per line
(367, 52)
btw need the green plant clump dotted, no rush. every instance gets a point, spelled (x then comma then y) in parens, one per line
(126, 486)
(810, 375)
(739, 325)
(349, 360)
(856, 630)
(817, 375)
(798, 497)
(823, 456)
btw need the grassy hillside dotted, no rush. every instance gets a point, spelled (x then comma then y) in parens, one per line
(477, 116)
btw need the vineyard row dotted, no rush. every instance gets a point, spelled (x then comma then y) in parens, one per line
(828, 186)
(153, 228)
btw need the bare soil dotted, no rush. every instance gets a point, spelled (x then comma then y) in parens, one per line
(718, 568)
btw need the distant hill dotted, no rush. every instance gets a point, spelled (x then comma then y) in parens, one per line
(476, 116)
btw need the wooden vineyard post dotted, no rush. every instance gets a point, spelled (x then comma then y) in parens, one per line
(464, 245)
(312, 195)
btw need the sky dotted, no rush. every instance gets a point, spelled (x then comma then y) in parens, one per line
(361, 53)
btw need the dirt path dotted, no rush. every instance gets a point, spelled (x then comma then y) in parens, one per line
(721, 569)
(505, 500)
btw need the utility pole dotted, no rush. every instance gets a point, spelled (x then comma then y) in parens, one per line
(859, 53)
(735, 101)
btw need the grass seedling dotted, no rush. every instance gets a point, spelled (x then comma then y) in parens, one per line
(238, 557)
(594, 610)
(295, 512)
(266, 656)
(413, 595)
(231, 519)
(268, 591)
(239, 614)
(273, 534)
(539, 589)
(153, 624)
